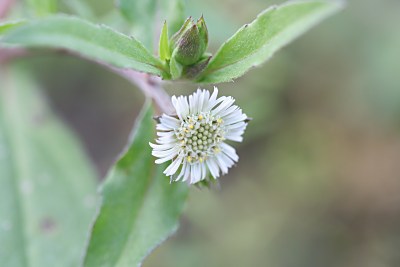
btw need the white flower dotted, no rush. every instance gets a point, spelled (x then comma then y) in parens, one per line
(194, 139)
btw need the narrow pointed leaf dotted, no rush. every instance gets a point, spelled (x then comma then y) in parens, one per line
(9, 25)
(140, 208)
(89, 40)
(165, 53)
(256, 42)
(47, 185)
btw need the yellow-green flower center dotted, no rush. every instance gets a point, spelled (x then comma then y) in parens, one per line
(200, 136)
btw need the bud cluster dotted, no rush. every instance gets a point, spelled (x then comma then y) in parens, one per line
(187, 49)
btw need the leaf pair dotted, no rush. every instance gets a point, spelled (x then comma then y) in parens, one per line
(251, 46)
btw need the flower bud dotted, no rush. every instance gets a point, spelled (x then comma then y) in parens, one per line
(190, 42)
(174, 39)
(203, 31)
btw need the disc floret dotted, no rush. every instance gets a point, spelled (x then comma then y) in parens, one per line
(200, 136)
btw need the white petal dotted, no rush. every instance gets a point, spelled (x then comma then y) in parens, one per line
(195, 173)
(236, 125)
(162, 146)
(222, 164)
(173, 167)
(166, 140)
(236, 138)
(202, 100)
(183, 169)
(170, 122)
(183, 101)
(163, 127)
(213, 100)
(228, 161)
(165, 153)
(235, 119)
(223, 106)
(181, 106)
(203, 171)
(187, 172)
(165, 159)
(206, 100)
(170, 133)
(214, 95)
(177, 107)
(229, 111)
(236, 112)
(213, 167)
(236, 134)
(190, 104)
(192, 171)
(229, 151)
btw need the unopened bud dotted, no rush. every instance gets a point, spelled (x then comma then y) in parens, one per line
(189, 44)
(174, 39)
(203, 32)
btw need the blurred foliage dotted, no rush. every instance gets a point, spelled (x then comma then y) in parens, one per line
(318, 180)
(47, 193)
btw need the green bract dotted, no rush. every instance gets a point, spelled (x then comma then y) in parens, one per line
(190, 43)
(187, 49)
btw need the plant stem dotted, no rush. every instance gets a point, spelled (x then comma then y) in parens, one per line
(7, 54)
(150, 86)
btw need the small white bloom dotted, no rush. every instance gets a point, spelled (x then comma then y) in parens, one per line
(194, 139)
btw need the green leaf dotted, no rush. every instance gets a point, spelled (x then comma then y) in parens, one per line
(256, 42)
(165, 53)
(43, 7)
(140, 208)
(92, 41)
(9, 25)
(47, 185)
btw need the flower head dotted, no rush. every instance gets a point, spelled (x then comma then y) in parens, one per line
(195, 139)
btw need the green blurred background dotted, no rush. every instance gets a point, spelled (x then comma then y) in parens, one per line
(318, 182)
